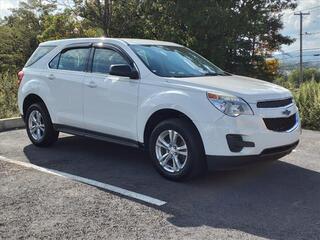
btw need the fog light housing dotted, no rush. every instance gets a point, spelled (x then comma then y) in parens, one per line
(236, 142)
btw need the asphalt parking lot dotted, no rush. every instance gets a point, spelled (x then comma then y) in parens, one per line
(279, 200)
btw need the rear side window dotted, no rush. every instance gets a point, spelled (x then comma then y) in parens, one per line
(104, 58)
(38, 53)
(73, 59)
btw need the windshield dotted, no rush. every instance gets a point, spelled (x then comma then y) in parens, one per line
(175, 61)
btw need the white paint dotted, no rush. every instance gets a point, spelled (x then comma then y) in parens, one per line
(122, 107)
(105, 186)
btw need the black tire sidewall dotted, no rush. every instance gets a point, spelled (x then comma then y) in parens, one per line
(195, 152)
(49, 133)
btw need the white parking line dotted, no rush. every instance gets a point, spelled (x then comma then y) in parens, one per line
(105, 186)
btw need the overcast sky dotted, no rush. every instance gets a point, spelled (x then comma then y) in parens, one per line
(311, 23)
(5, 5)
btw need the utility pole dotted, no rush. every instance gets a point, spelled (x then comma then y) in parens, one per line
(301, 14)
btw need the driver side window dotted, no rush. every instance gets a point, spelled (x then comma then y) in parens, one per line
(103, 58)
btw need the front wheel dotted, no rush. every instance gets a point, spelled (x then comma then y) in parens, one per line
(176, 150)
(39, 126)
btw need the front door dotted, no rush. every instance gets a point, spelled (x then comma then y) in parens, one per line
(110, 102)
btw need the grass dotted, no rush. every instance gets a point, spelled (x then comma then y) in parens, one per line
(307, 98)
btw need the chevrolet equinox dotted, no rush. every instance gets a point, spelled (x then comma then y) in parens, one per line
(160, 96)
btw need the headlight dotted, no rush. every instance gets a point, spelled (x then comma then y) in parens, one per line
(229, 105)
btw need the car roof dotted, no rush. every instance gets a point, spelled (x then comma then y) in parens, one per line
(129, 41)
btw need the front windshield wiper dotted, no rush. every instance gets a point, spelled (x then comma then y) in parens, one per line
(214, 74)
(210, 74)
(206, 74)
(183, 76)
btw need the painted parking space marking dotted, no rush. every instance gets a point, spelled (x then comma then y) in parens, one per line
(88, 181)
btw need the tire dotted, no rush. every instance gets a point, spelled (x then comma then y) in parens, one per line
(191, 162)
(47, 135)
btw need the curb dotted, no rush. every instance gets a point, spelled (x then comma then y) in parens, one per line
(11, 123)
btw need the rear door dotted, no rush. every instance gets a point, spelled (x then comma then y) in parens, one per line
(66, 78)
(110, 102)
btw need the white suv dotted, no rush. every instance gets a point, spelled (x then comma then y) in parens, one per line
(161, 96)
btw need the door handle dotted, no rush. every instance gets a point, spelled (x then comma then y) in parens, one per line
(92, 84)
(51, 77)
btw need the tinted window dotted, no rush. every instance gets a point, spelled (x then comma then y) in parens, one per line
(74, 59)
(39, 53)
(54, 62)
(175, 61)
(104, 58)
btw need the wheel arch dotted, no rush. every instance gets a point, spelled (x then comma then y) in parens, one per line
(29, 100)
(161, 115)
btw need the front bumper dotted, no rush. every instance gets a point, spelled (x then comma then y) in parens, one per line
(255, 135)
(218, 162)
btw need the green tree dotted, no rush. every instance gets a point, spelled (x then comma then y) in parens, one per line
(97, 12)
(19, 31)
(237, 35)
(117, 18)
(66, 25)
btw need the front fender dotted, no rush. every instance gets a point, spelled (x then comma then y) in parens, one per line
(191, 103)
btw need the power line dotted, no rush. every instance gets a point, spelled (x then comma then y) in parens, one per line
(312, 9)
(289, 57)
(308, 9)
(307, 33)
(305, 55)
(304, 49)
(293, 64)
(307, 49)
(311, 33)
(315, 8)
(312, 61)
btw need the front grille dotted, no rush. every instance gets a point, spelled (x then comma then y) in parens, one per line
(274, 103)
(280, 124)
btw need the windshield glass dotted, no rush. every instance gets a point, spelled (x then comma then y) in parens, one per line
(175, 61)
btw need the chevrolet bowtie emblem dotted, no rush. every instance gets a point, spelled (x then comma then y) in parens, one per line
(286, 112)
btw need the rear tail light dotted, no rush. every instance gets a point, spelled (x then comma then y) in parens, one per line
(20, 77)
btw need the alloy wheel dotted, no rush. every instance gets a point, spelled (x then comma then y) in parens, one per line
(171, 151)
(36, 125)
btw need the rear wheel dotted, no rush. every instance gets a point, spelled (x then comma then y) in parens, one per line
(39, 126)
(176, 150)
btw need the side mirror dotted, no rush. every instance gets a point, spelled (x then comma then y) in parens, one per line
(123, 70)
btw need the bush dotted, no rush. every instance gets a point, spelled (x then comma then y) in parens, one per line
(308, 101)
(8, 95)
(284, 82)
(308, 75)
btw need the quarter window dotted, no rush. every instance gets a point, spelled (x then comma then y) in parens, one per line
(74, 59)
(104, 58)
(54, 62)
(39, 53)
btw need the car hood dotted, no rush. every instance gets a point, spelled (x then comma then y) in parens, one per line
(250, 89)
